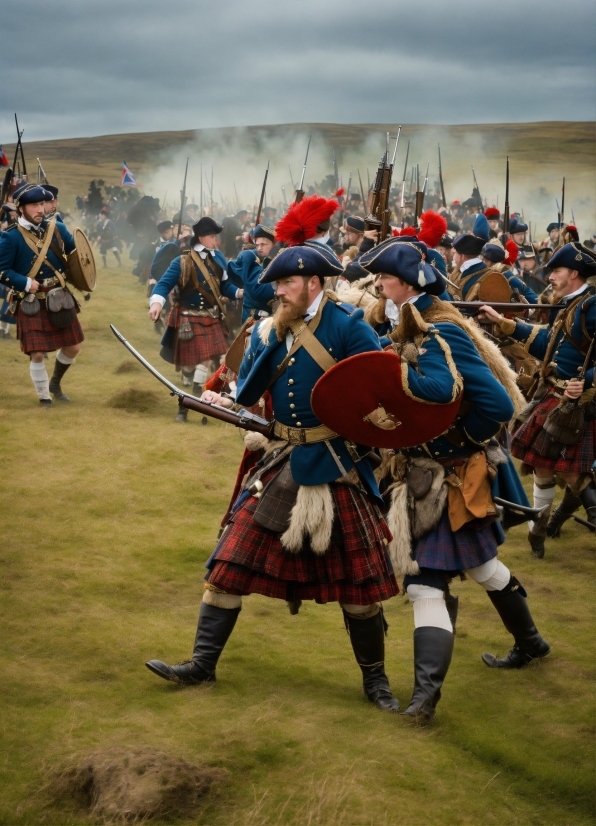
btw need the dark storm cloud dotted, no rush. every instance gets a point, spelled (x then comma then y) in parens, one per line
(74, 67)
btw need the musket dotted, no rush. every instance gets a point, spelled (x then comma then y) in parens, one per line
(300, 192)
(349, 189)
(379, 214)
(419, 203)
(182, 201)
(364, 204)
(335, 171)
(443, 198)
(563, 202)
(263, 188)
(477, 190)
(292, 178)
(42, 178)
(403, 183)
(19, 148)
(243, 419)
(425, 180)
(201, 199)
(573, 219)
(506, 207)
(503, 307)
(237, 199)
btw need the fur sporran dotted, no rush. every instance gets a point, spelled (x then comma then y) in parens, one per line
(61, 307)
(185, 331)
(30, 305)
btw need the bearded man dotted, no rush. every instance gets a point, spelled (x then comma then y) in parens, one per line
(307, 523)
(562, 347)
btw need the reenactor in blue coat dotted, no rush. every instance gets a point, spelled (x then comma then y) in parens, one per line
(33, 264)
(543, 442)
(248, 268)
(442, 516)
(469, 266)
(195, 332)
(530, 272)
(498, 259)
(307, 524)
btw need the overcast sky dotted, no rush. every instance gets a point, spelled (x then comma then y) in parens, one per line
(76, 68)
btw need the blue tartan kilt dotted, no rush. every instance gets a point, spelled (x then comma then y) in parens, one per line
(445, 550)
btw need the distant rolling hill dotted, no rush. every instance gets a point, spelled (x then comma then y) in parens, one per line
(540, 155)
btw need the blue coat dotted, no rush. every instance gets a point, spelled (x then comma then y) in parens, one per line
(566, 356)
(16, 258)
(489, 403)
(163, 257)
(194, 299)
(248, 267)
(344, 333)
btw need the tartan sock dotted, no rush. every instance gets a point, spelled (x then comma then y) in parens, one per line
(41, 382)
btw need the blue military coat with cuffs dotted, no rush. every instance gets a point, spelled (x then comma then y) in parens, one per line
(343, 333)
(567, 354)
(248, 268)
(16, 257)
(194, 299)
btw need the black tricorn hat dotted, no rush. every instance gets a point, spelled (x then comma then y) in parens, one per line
(206, 226)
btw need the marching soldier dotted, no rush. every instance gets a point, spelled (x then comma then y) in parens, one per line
(468, 264)
(448, 480)
(498, 259)
(530, 273)
(195, 333)
(493, 216)
(33, 264)
(314, 531)
(106, 236)
(559, 437)
(248, 268)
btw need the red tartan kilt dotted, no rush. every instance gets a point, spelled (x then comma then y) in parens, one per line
(355, 569)
(530, 437)
(209, 339)
(37, 334)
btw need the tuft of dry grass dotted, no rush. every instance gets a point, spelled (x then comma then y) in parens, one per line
(128, 366)
(131, 785)
(133, 399)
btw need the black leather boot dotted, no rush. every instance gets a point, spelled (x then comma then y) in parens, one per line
(588, 500)
(55, 389)
(512, 606)
(213, 632)
(368, 643)
(564, 511)
(433, 648)
(182, 414)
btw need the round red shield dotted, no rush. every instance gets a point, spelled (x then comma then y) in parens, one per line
(362, 399)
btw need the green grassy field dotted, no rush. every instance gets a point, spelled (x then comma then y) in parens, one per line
(108, 518)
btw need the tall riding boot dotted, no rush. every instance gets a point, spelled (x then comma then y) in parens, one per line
(59, 371)
(368, 643)
(538, 532)
(512, 606)
(588, 500)
(569, 504)
(433, 648)
(213, 632)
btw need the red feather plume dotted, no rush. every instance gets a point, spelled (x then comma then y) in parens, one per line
(395, 232)
(492, 212)
(434, 226)
(408, 231)
(512, 252)
(339, 192)
(302, 219)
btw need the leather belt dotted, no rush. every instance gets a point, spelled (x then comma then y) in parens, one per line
(214, 313)
(49, 284)
(303, 435)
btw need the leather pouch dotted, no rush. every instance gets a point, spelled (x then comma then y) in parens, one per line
(185, 331)
(30, 305)
(61, 307)
(276, 501)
